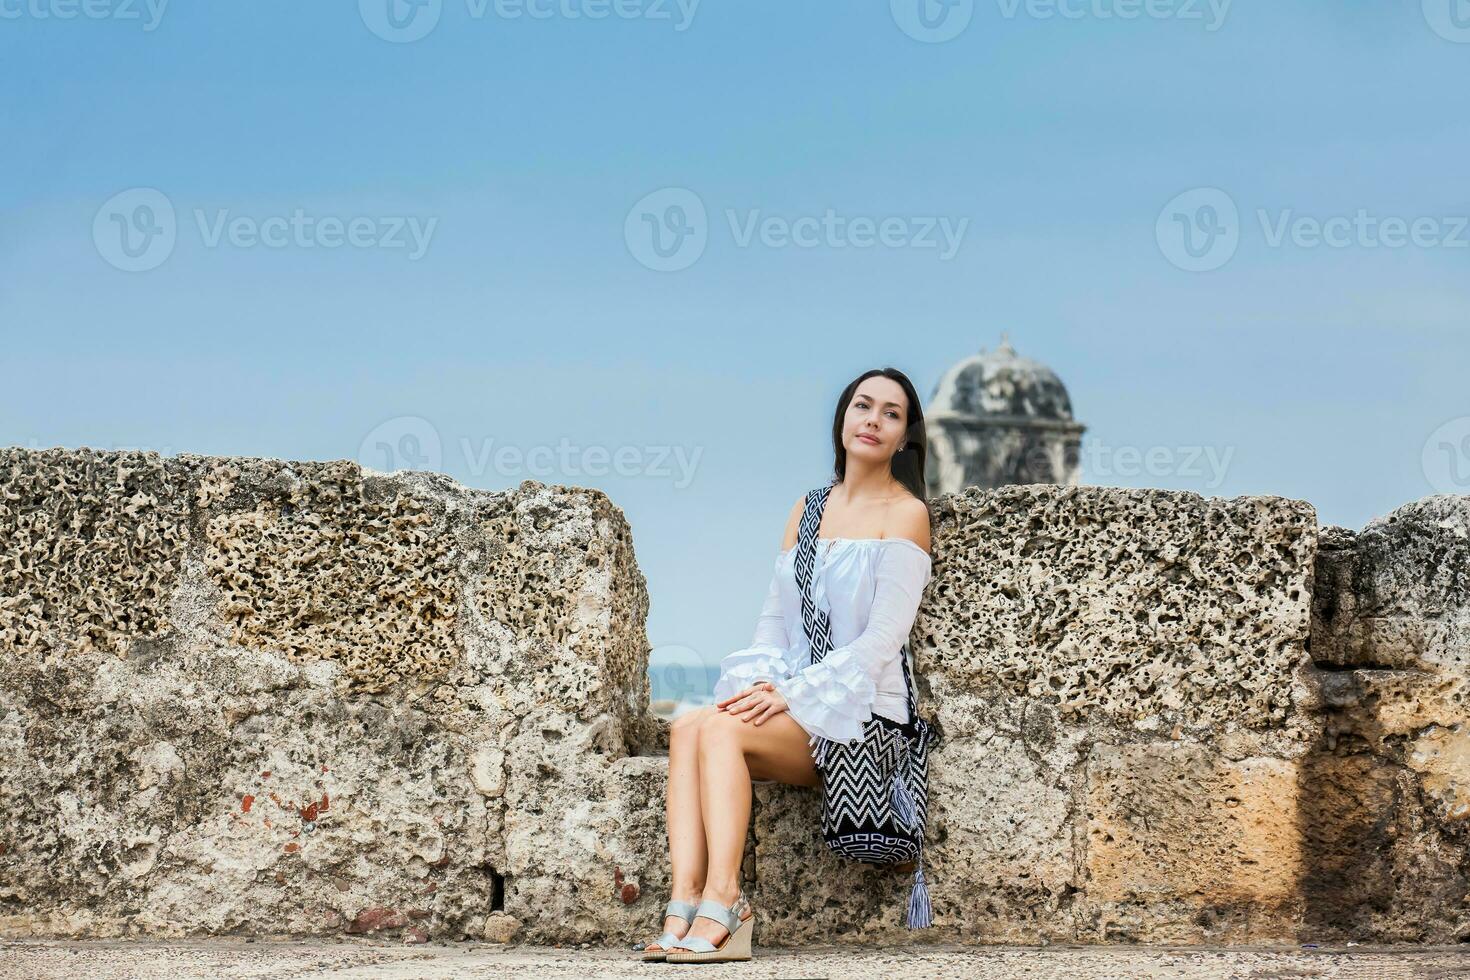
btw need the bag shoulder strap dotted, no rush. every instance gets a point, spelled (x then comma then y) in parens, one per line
(818, 630)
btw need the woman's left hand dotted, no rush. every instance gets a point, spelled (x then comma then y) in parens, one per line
(755, 704)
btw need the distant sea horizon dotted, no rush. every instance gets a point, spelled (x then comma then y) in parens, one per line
(681, 682)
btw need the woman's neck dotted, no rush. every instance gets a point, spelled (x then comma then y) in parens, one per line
(864, 481)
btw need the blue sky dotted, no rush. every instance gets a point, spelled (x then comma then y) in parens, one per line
(1068, 146)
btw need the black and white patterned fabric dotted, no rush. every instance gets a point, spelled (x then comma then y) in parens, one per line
(875, 799)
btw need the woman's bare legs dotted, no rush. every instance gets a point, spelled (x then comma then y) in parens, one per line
(731, 753)
(688, 855)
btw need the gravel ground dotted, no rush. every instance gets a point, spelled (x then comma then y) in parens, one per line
(280, 959)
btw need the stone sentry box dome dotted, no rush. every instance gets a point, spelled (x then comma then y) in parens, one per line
(997, 419)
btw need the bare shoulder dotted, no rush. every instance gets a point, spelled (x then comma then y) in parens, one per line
(793, 523)
(910, 519)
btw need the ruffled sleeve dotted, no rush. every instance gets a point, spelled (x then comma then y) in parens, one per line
(833, 698)
(765, 658)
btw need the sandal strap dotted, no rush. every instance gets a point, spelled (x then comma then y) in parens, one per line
(684, 910)
(730, 917)
(694, 944)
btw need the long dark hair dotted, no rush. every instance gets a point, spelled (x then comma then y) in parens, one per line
(908, 463)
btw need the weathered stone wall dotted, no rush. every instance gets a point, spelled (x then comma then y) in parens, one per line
(251, 696)
(1139, 747)
(263, 697)
(1388, 839)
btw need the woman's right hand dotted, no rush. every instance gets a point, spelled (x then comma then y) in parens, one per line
(757, 686)
(759, 702)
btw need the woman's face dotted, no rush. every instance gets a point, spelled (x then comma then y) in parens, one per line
(877, 418)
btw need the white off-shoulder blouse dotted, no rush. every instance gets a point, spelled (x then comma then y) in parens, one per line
(870, 589)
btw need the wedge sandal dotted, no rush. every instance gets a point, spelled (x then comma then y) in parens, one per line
(739, 923)
(659, 948)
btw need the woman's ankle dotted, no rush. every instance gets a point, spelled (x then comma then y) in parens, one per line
(724, 894)
(691, 893)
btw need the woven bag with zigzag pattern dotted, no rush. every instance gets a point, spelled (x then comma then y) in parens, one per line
(875, 798)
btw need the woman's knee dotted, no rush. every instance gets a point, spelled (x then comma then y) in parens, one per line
(686, 727)
(720, 728)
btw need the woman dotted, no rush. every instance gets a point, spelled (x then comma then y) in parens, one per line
(772, 704)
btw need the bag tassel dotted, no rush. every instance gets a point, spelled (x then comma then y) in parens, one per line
(903, 803)
(921, 915)
(819, 756)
